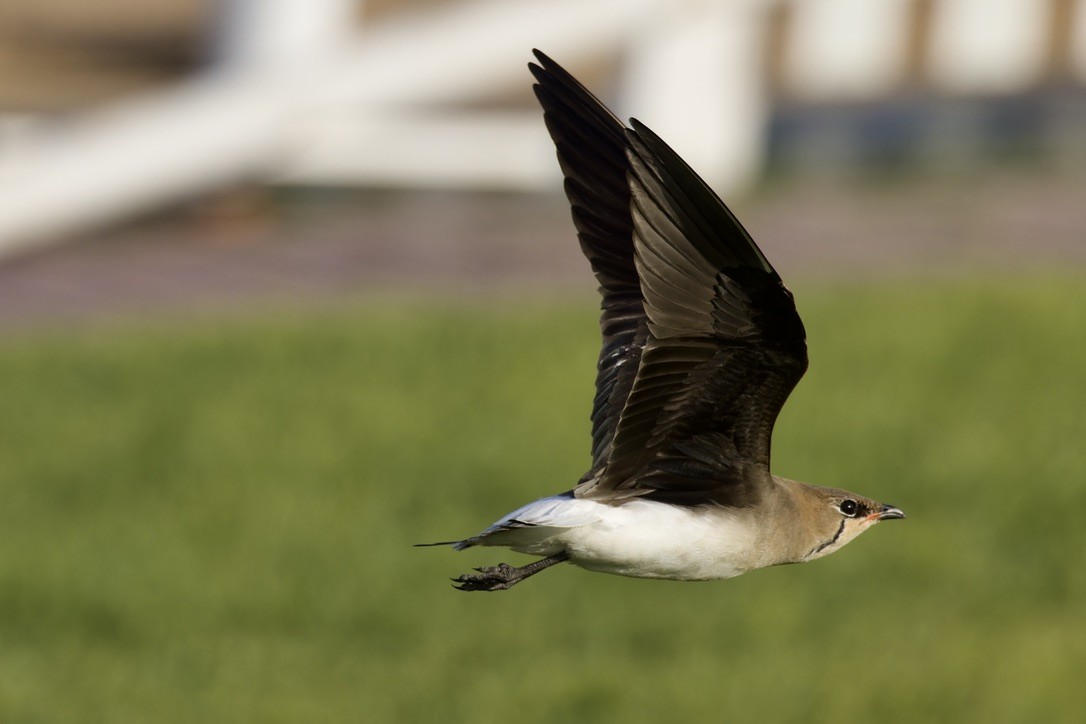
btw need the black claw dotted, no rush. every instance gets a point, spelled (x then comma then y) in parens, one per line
(503, 576)
(488, 578)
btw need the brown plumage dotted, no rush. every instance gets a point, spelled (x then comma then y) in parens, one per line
(702, 345)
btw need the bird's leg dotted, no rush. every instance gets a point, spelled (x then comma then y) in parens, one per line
(503, 575)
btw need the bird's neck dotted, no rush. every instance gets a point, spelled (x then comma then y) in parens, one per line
(792, 523)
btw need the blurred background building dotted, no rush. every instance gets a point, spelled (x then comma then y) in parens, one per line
(210, 117)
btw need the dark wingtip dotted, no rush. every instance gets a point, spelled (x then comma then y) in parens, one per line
(544, 61)
(439, 543)
(639, 131)
(640, 136)
(643, 141)
(541, 71)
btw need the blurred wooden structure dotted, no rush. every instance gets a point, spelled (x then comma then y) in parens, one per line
(110, 108)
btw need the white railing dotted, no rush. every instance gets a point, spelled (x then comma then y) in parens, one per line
(293, 97)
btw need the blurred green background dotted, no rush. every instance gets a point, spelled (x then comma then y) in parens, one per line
(228, 410)
(212, 519)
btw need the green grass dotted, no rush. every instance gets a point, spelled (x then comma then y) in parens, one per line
(211, 521)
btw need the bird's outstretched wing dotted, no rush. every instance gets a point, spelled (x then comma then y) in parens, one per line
(591, 146)
(725, 345)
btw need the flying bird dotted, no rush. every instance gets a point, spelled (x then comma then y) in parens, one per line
(702, 345)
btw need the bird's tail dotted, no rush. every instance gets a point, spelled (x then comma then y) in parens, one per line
(457, 544)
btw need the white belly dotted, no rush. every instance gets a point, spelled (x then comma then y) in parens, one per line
(646, 539)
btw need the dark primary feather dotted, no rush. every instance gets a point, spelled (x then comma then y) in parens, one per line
(725, 345)
(591, 147)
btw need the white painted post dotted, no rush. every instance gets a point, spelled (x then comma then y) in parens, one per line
(695, 77)
(281, 34)
(1078, 40)
(988, 46)
(845, 49)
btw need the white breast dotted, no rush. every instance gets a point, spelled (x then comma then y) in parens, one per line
(646, 539)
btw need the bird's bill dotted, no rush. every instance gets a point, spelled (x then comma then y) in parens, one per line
(888, 512)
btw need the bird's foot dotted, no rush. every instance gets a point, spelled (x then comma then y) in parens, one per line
(490, 578)
(503, 575)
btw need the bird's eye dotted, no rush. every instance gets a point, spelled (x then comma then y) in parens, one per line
(848, 508)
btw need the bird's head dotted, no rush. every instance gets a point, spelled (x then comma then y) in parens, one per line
(837, 516)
